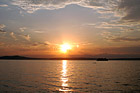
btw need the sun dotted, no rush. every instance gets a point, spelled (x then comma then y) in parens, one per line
(65, 47)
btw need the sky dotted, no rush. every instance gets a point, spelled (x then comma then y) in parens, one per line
(93, 28)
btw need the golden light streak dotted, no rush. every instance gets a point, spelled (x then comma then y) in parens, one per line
(64, 77)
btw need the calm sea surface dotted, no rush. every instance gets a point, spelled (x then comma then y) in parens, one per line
(69, 76)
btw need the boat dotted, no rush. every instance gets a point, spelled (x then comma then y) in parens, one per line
(102, 59)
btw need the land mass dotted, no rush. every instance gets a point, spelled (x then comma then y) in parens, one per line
(17, 57)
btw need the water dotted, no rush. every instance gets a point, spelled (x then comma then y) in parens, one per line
(69, 76)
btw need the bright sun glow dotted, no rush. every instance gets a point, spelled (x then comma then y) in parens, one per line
(65, 47)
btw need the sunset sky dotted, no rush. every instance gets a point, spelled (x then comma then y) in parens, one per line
(93, 28)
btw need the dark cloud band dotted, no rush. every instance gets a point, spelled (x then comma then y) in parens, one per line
(131, 8)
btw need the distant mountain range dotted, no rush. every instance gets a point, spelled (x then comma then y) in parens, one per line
(14, 57)
(17, 57)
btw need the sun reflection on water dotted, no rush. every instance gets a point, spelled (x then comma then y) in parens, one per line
(64, 78)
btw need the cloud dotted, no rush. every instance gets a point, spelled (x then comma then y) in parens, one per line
(32, 5)
(13, 35)
(3, 5)
(22, 29)
(128, 8)
(2, 31)
(41, 44)
(122, 50)
(119, 39)
(110, 25)
(26, 37)
(39, 32)
(131, 9)
(1, 28)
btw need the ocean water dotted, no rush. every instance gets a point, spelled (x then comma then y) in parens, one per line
(69, 76)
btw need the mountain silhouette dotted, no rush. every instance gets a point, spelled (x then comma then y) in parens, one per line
(14, 57)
